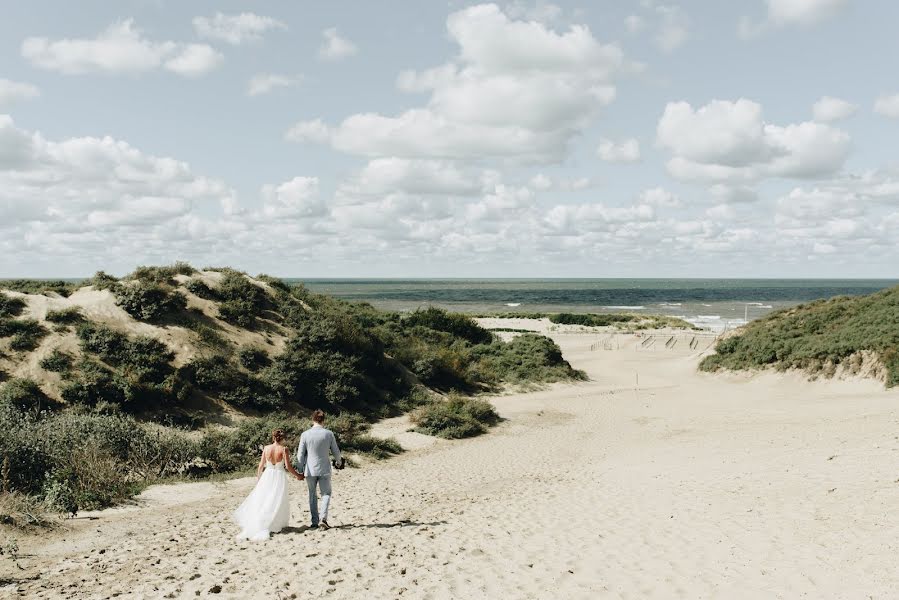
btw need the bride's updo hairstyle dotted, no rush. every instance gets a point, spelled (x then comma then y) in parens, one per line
(278, 435)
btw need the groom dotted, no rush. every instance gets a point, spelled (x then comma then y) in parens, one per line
(312, 461)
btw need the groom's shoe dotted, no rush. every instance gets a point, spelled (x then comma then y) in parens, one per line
(324, 525)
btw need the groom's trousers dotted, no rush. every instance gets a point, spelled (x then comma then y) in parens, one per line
(323, 483)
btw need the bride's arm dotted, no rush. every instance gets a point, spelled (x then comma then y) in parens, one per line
(289, 465)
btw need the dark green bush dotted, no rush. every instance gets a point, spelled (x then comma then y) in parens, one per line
(458, 325)
(242, 301)
(618, 319)
(527, 358)
(253, 359)
(163, 275)
(24, 395)
(816, 336)
(26, 333)
(65, 316)
(455, 417)
(39, 286)
(592, 320)
(102, 281)
(201, 290)
(9, 306)
(57, 361)
(147, 301)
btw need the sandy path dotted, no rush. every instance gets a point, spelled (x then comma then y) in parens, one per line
(692, 486)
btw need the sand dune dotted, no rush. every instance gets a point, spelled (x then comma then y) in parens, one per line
(688, 486)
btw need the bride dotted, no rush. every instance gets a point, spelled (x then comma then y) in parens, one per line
(267, 508)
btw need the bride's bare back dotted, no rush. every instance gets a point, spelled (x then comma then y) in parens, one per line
(274, 453)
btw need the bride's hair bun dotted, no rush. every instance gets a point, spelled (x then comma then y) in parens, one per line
(278, 435)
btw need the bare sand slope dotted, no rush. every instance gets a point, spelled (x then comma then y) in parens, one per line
(691, 486)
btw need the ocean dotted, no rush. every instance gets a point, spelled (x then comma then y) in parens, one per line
(709, 303)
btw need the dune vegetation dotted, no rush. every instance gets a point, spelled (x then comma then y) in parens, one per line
(172, 371)
(818, 337)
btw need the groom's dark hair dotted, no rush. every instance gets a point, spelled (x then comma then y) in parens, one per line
(318, 416)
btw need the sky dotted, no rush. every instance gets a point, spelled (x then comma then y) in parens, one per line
(603, 138)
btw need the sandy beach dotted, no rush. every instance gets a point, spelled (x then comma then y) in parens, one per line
(651, 480)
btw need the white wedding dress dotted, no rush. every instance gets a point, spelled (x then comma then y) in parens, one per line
(267, 509)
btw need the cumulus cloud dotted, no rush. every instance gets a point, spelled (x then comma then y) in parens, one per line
(729, 142)
(235, 29)
(782, 13)
(421, 177)
(120, 48)
(887, 105)
(668, 24)
(516, 89)
(335, 47)
(624, 151)
(263, 83)
(829, 109)
(195, 60)
(802, 12)
(97, 197)
(542, 11)
(660, 198)
(14, 91)
(298, 198)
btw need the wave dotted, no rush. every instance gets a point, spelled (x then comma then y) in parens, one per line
(670, 304)
(513, 304)
(625, 307)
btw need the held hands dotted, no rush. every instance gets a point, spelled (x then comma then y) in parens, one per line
(300, 477)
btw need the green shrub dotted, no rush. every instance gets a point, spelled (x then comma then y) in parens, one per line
(163, 275)
(147, 301)
(9, 306)
(39, 286)
(816, 337)
(102, 281)
(201, 290)
(527, 358)
(458, 325)
(253, 359)
(57, 361)
(592, 320)
(455, 417)
(24, 395)
(242, 301)
(26, 333)
(619, 319)
(66, 316)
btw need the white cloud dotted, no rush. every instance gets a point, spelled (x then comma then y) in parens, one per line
(120, 48)
(13, 91)
(660, 198)
(730, 194)
(728, 142)
(802, 12)
(542, 11)
(263, 83)
(516, 89)
(298, 198)
(541, 182)
(669, 24)
(624, 151)
(887, 105)
(673, 30)
(70, 188)
(235, 29)
(829, 109)
(634, 23)
(420, 177)
(782, 13)
(195, 60)
(335, 47)
(309, 131)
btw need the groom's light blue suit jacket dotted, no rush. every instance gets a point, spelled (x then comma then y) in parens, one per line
(312, 454)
